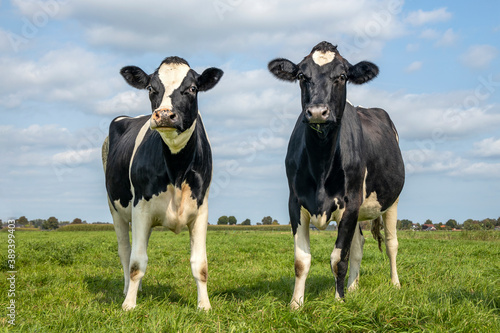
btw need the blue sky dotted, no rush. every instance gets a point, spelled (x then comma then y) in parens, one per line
(60, 87)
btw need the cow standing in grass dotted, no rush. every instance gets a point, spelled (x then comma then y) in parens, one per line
(343, 164)
(158, 170)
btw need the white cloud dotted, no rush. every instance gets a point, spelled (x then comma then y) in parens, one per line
(414, 66)
(430, 161)
(489, 147)
(132, 102)
(479, 56)
(77, 157)
(412, 47)
(478, 170)
(429, 34)
(157, 25)
(421, 17)
(70, 74)
(437, 117)
(445, 39)
(449, 38)
(35, 136)
(41, 146)
(447, 163)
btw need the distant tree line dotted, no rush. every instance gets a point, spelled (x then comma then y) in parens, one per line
(469, 224)
(51, 223)
(231, 220)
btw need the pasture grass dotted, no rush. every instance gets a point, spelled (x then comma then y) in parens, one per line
(72, 282)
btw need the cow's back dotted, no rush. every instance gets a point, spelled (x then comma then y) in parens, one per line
(123, 132)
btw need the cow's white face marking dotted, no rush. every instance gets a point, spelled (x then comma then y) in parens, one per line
(323, 58)
(171, 76)
(173, 139)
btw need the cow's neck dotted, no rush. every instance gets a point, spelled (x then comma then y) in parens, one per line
(178, 164)
(321, 148)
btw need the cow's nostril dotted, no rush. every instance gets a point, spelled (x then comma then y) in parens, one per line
(172, 116)
(309, 113)
(325, 113)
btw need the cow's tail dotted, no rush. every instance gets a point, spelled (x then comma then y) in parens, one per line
(376, 226)
(105, 150)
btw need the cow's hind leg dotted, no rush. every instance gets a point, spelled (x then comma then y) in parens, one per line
(141, 226)
(122, 234)
(199, 266)
(355, 256)
(391, 240)
(302, 260)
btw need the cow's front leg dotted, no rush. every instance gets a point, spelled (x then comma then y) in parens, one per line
(199, 266)
(302, 253)
(340, 255)
(141, 227)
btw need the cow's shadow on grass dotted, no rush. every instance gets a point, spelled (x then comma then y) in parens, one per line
(281, 289)
(110, 291)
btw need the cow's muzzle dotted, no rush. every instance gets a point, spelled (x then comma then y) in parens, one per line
(317, 114)
(164, 118)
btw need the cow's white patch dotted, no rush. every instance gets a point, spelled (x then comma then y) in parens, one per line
(125, 213)
(355, 256)
(138, 140)
(338, 213)
(323, 58)
(199, 265)
(173, 209)
(175, 140)
(322, 221)
(370, 209)
(334, 260)
(302, 255)
(127, 117)
(171, 76)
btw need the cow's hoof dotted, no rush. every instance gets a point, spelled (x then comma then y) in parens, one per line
(204, 306)
(126, 306)
(353, 287)
(294, 305)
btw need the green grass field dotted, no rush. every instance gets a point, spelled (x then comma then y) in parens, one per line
(72, 282)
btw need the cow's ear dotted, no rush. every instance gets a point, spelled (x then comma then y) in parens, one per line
(362, 72)
(283, 69)
(135, 77)
(209, 78)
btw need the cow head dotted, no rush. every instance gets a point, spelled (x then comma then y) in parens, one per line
(173, 90)
(323, 76)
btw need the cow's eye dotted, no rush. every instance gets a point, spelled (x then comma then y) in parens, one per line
(193, 89)
(300, 76)
(150, 89)
(341, 77)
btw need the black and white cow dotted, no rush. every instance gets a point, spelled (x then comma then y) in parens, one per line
(343, 164)
(158, 170)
